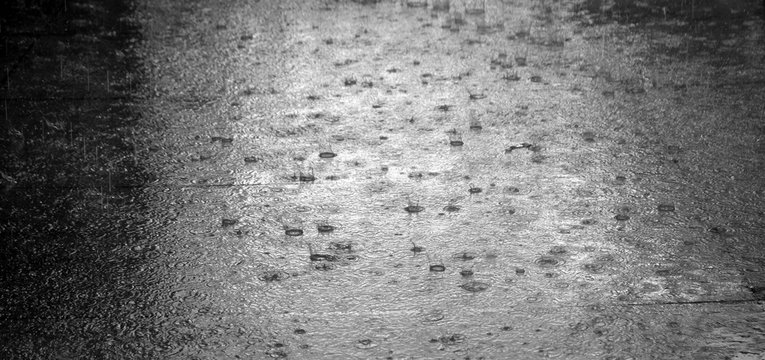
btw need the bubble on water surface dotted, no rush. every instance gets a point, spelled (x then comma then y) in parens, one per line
(588, 221)
(327, 155)
(293, 232)
(621, 217)
(437, 268)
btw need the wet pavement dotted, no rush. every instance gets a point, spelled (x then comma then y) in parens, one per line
(391, 179)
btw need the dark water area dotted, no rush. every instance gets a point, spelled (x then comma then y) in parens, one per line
(69, 172)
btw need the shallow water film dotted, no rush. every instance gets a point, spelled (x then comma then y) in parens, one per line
(383, 179)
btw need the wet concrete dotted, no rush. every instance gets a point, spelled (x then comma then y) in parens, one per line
(380, 179)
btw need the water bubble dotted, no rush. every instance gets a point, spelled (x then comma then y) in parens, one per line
(666, 207)
(251, 159)
(327, 154)
(520, 271)
(437, 268)
(299, 331)
(466, 272)
(588, 136)
(293, 232)
(589, 221)
(536, 78)
(414, 208)
(621, 217)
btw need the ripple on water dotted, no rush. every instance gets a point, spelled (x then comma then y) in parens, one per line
(558, 250)
(465, 255)
(273, 275)
(452, 339)
(666, 207)
(412, 209)
(474, 286)
(433, 316)
(365, 344)
(548, 261)
(451, 208)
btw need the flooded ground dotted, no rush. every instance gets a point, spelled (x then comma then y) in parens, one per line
(395, 180)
